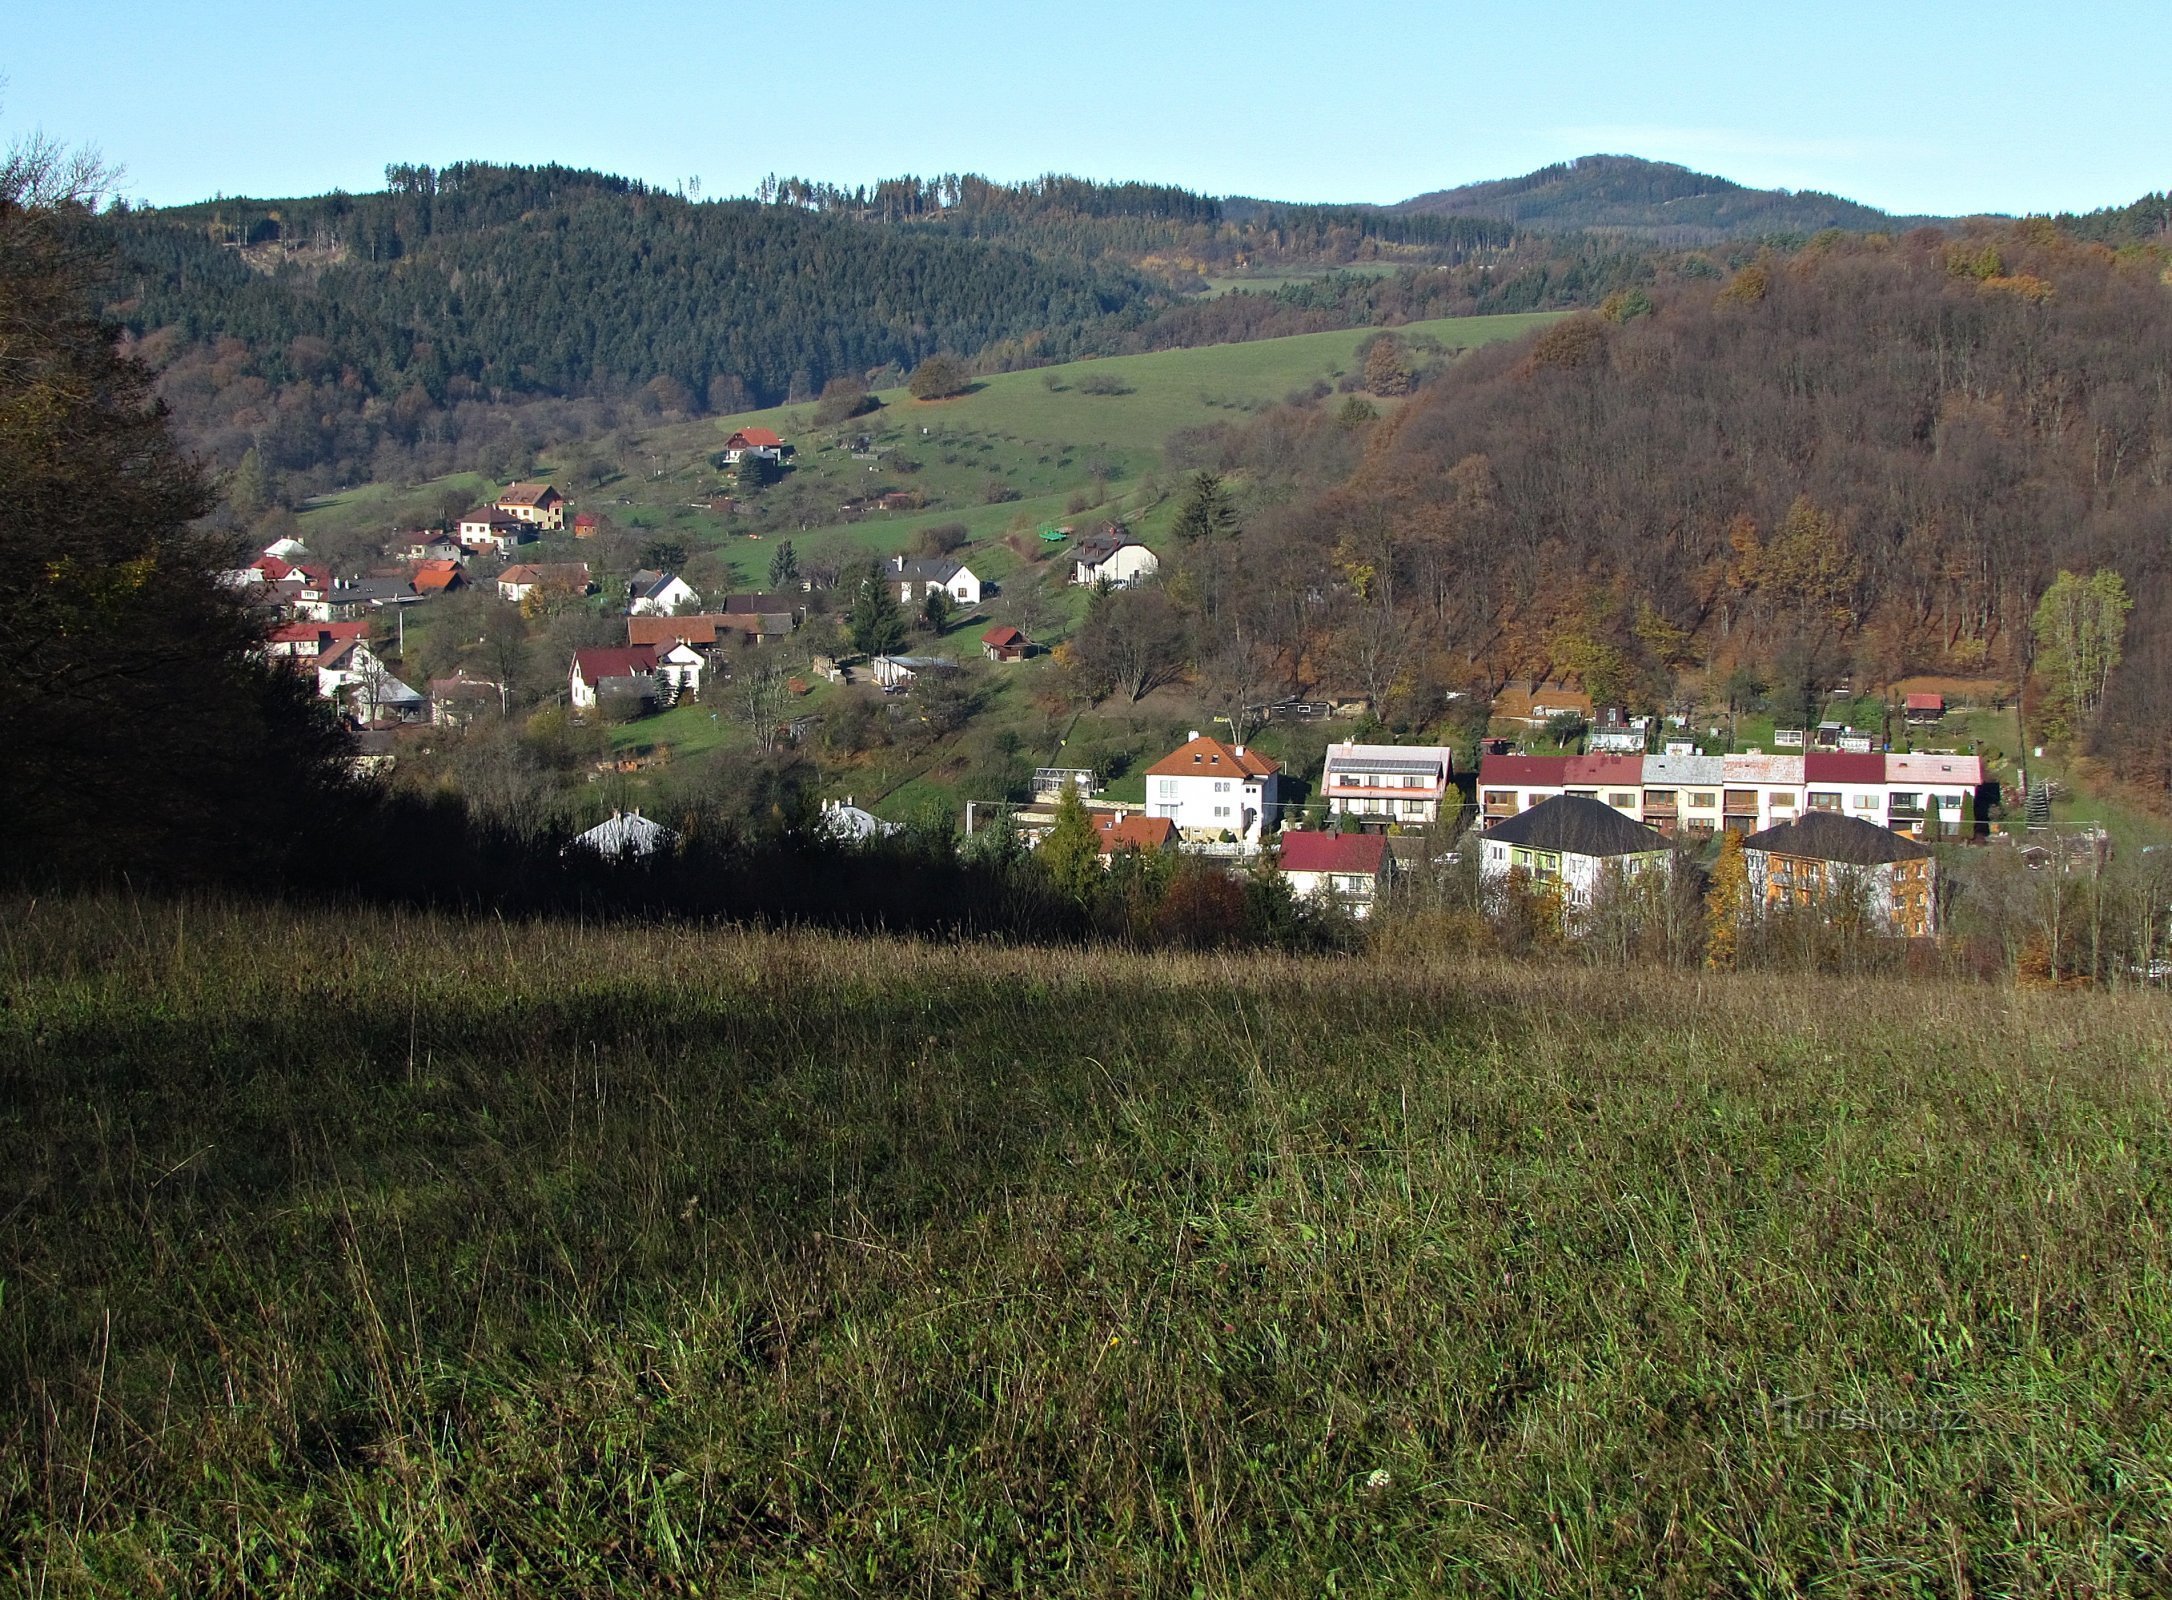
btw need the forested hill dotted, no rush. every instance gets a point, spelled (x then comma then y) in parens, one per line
(1650, 199)
(502, 281)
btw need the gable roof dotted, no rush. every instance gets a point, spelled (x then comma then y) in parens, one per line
(1096, 548)
(528, 494)
(1135, 832)
(431, 575)
(755, 438)
(1829, 836)
(1003, 637)
(322, 634)
(1924, 702)
(1365, 760)
(1577, 825)
(1753, 767)
(649, 583)
(614, 661)
(701, 629)
(491, 515)
(1334, 852)
(1202, 757)
(1685, 770)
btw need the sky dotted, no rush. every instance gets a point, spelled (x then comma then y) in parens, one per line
(1917, 106)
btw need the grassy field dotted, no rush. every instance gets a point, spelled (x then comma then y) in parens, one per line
(365, 1253)
(1045, 435)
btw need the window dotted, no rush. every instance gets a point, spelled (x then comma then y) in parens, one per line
(1905, 801)
(1500, 797)
(1703, 799)
(1168, 788)
(1221, 811)
(1221, 786)
(1864, 802)
(1659, 799)
(1783, 802)
(1824, 799)
(1623, 802)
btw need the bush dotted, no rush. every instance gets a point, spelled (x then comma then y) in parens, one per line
(937, 378)
(940, 538)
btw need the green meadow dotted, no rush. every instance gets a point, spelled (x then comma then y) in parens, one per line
(356, 1252)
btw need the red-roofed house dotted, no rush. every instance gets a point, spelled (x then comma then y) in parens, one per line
(437, 577)
(308, 640)
(642, 669)
(488, 528)
(1122, 831)
(1004, 643)
(759, 441)
(1511, 784)
(1210, 788)
(1844, 784)
(1924, 707)
(1348, 868)
(586, 525)
(1616, 781)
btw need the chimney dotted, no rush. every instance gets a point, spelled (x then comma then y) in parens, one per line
(1240, 749)
(1191, 736)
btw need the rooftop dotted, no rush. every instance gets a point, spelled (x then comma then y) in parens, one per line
(1575, 825)
(1829, 836)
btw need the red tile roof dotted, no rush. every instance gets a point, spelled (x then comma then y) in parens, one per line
(755, 438)
(1003, 637)
(1135, 833)
(1204, 757)
(701, 629)
(614, 661)
(528, 494)
(1524, 771)
(1334, 852)
(1604, 769)
(1924, 702)
(1824, 766)
(433, 575)
(320, 633)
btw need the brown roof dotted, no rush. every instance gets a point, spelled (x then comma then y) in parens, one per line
(1003, 637)
(528, 494)
(546, 572)
(614, 662)
(695, 630)
(1135, 833)
(1334, 852)
(1202, 757)
(756, 438)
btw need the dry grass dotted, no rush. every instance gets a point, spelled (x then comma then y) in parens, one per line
(374, 1253)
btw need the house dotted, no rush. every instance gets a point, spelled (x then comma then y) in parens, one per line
(1619, 735)
(1932, 795)
(455, 701)
(1129, 830)
(893, 673)
(436, 547)
(701, 630)
(1511, 785)
(586, 525)
(1617, 781)
(307, 640)
(1844, 783)
(1536, 704)
(1842, 863)
(517, 582)
(1682, 793)
(755, 441)
(373, 753)
(849, 824)
(1924, 709)
(612, 670)
(1346, 869)
(1004, 643)
(624, 834)
(286, 549)
(650, 593)
(537, 504)
(917, 579)
(351, 674)
(1384, 785)
(373, 593)
(1211, 789)
(1114, 557)
(1760, 791)
(1573, 843)
(487, 528)
(437, 577)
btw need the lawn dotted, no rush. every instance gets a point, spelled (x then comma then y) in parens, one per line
(539, 1259)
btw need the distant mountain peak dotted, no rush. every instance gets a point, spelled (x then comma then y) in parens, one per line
(1650, 199)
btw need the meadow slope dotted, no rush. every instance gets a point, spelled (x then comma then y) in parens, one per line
(377, 1253)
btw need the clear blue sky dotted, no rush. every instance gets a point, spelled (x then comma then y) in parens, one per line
(1913, 105)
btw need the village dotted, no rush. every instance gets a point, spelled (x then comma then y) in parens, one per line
(1832, 816)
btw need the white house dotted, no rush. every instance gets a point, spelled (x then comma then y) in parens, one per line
(916, 580)
(524, 578)
(898, 672)
(1208, 788)
(488, 528)
(850, 824)
(1917, 783)
(1115, 556)
(1383, 784)
(1571, 841)
(659, 594)
(624, 834)
(667, 671)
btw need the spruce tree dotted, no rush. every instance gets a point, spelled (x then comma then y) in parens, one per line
(877, 622)
(1071, 852)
